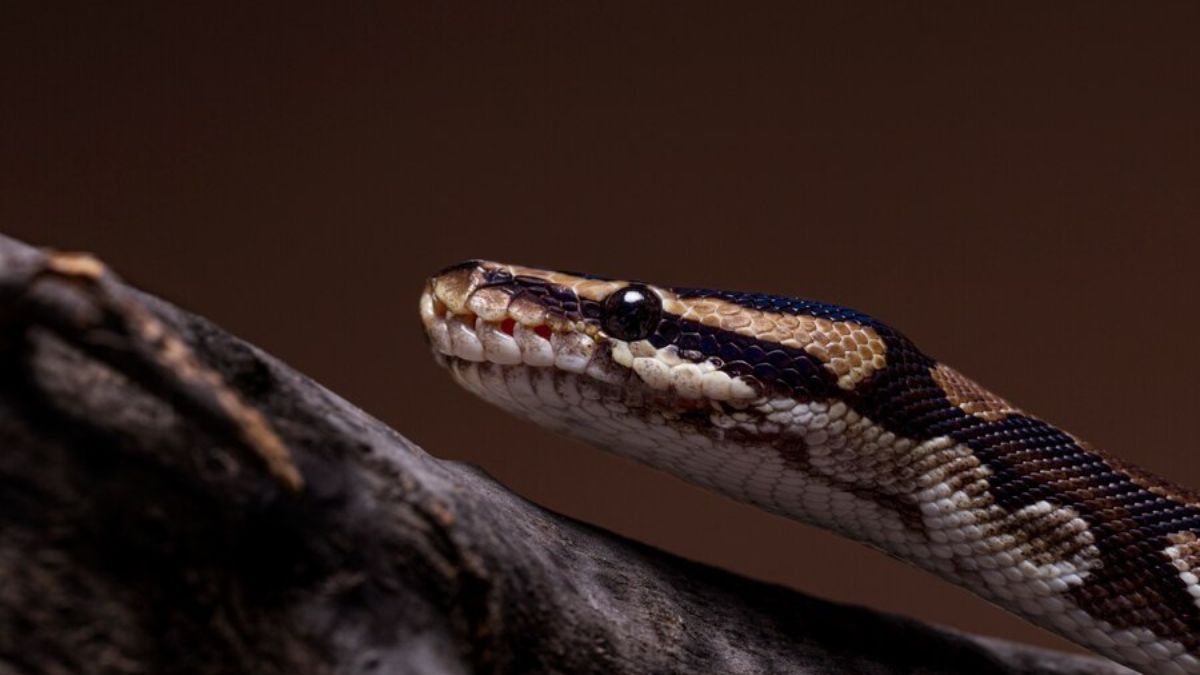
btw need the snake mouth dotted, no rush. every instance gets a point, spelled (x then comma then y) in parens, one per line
(486, 324)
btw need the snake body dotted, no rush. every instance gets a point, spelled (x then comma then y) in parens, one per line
(826, 415)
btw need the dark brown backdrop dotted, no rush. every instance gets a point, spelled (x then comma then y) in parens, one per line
(1015, 187)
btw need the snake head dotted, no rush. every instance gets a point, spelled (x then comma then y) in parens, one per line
(603, 331)
(541, 343)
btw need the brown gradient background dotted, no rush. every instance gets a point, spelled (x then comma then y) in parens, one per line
(1014, 187)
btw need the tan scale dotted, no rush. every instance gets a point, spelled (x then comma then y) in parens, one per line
(969, 396)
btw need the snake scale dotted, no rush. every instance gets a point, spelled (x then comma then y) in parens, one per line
(828, 416)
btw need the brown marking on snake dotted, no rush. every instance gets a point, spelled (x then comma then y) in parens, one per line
(1051, 537)
(1146, 480)
(882, 474)
(1130, 583)
(795, 454)
(970, 397)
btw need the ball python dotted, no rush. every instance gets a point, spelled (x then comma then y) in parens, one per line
(826, 415)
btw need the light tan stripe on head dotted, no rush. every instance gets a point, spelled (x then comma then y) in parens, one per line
(590, 289)
(851, 351)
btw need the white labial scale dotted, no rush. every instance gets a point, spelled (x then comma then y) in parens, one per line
(428, 312)
(536, 350)
(653, 372)
(572, 351)
(498, 346)
(439, 335)
(687, 380)
(466, 344)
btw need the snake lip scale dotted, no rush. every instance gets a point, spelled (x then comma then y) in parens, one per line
(826, 415)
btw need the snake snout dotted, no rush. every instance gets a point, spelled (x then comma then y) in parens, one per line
(474, 311)
(452, 286)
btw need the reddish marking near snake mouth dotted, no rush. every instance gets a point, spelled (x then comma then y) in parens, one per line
(507, 326)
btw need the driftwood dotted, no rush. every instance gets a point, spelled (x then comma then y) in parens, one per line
(174, 500)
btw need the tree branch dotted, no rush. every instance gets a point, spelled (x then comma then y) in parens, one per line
(174, 500)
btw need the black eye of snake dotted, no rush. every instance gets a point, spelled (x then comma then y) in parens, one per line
(632, 313)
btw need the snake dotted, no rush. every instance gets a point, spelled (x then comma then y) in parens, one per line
(826, 415)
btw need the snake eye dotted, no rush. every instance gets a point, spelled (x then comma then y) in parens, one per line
(631, 313)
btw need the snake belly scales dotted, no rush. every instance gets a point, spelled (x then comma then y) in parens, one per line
(823, 414)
